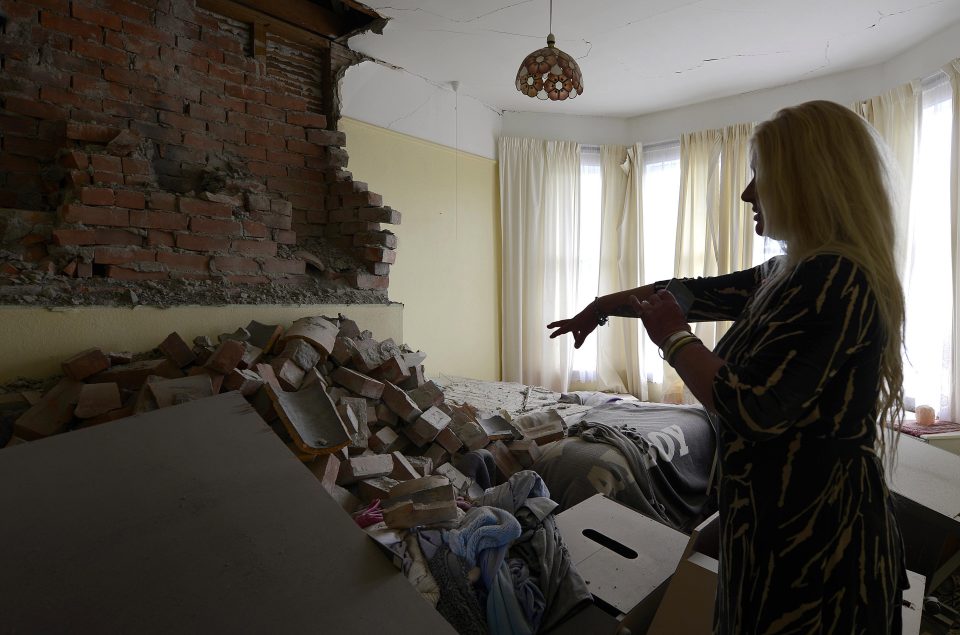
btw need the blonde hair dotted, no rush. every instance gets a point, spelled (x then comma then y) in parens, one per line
(827, 185)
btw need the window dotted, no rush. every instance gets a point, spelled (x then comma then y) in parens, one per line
(927, 280)
(588, 267)
(661, 203)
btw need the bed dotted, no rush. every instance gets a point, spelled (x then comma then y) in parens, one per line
(655, 458)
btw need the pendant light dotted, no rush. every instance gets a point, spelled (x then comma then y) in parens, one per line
(549, 73)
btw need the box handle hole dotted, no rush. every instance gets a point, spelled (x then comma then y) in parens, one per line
(610, 543)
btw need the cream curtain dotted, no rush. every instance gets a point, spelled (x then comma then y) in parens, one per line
(953, 71)
(539, 214)
(623, 343)
(896, 116)
(714, 227)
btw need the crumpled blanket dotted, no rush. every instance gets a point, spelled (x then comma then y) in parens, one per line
(483, 538)
(417, 571)
(631, 450)
(540, 546)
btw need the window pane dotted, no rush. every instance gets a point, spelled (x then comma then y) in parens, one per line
(927, 281)
(661, 202)
(588, 267)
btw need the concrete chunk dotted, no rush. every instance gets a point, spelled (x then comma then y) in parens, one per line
(363, 467)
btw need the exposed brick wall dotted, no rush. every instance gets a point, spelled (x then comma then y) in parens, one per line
(149, 144)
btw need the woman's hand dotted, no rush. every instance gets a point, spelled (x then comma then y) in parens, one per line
(581, 325)
(661, 315)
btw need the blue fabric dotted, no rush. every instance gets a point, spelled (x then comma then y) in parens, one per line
(504, 613)
(483, 538)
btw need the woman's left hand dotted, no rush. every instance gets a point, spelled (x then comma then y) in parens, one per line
(661, 315)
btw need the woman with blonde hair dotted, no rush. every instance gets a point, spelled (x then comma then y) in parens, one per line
(800, 384)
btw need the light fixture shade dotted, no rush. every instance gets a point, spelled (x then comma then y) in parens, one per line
(549, 73)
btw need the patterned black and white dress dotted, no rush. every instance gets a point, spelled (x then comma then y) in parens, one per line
(808, 539)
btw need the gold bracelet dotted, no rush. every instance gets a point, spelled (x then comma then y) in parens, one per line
(671, 340)
(676, 346)
(679, 345)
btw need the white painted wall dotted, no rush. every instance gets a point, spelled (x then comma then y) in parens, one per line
(397, 100)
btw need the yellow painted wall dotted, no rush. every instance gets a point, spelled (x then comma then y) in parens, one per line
(447, 273)
(36, 340)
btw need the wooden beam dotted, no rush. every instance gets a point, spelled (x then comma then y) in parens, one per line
(267, 23)
(302, 13)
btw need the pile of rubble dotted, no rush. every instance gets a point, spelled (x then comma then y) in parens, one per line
(360, 413)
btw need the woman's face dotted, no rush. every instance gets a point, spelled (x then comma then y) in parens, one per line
(749, 195)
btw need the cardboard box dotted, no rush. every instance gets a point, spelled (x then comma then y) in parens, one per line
(927, 500)
(687, 606)
(623, 555)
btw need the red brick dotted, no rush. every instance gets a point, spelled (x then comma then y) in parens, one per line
(89, 14)
(202, 243)
(297, 186)
(36, 148)
(135, 166)
(382, 239)
(287, 102)
(67, 237)
(74, 159)
(234, 264)
(380, 215)
(108, 216)
(358, 199)
(278, 265)
(107, 178)
(285, 236)
(254, 247)
(253, 229)
(285, 158)
(128, 9)
(70, 26)
(158, 220)
(93, 133)
(246, 93)
(195, 140)
(304, 147)
(116, 237)
(122, 273)
(364, 280)
(265, 112)
(97, 52)
(130, 199)
(183, 262)
(160, 239)
(96, 196)
(106, 163)
(32, 108)
(261, 168)
(327, 137)
(343, 215)
(216, 226)
(230, 75)
(163, 201)
(247, 122)
(307, 119)
(377, 254)
(197, 207)
(183, 122)
(112, 256)
(148, 33)
(84, 364)
(206, 113)
(226, 132)
(265, 140)
(160, 101)
(250, 152)
(78, 178)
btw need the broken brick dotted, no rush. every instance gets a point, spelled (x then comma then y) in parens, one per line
(132, 376)
(357, 383)
(97, 399)
(364, 467)
(52, 413)
(400, 403)
(177, 351)
(85, 364)
(226, 357)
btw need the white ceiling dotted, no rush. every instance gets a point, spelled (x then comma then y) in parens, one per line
(642, 56)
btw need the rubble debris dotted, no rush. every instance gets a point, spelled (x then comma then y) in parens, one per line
(326, 388)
